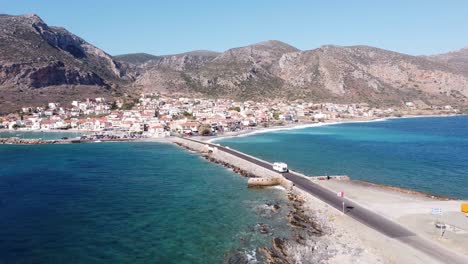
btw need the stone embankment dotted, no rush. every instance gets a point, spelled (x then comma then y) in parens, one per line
(37, 141)
(25, 141)
(259, 176)
(310, 230)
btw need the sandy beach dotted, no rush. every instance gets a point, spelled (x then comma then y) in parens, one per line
(260, 130)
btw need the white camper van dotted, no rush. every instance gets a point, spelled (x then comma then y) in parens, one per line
(280, 167)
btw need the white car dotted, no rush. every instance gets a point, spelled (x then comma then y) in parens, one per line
(280, 167)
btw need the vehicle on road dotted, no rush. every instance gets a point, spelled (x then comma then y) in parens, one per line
(280, 167)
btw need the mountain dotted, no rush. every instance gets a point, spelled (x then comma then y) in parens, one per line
(225, 74)
(274, 69)
(457, 59)
(141, 58)
(202, 53)
(41, 63)
(367, 74)
(35, 56)
(135, 58)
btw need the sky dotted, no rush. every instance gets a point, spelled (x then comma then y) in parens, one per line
(417, 27)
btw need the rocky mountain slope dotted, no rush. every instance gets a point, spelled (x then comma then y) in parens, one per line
(457, 59)
(135, 58)
(34, 56)
(40, 63)
(330, 73)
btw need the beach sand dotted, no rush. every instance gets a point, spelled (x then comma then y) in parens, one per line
(302, 125)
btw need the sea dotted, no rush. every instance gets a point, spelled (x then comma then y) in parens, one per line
(153, 202)
(426, 154)
(129, 203)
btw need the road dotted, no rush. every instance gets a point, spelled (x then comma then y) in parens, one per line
(361, 214)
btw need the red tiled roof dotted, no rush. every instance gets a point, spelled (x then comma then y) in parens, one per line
(47, 122)
(190, 124)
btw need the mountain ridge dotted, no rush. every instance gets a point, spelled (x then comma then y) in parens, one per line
(35, 57)
(40, 62)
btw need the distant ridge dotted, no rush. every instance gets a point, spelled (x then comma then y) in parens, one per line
(135, 58)
(457, 59)
(204, 53)
(141, 58)
(41, 63)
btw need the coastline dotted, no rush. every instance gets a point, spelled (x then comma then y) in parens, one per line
(336, 237)
(346, 121)
(316, 124)
(254, 130)
(294, 126)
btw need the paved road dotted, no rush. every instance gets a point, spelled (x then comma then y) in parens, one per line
(361, 214)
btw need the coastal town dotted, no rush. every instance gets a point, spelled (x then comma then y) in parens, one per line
(156, 116)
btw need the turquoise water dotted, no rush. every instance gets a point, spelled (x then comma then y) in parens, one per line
(425, 154)
(126, 203)
(38, 134)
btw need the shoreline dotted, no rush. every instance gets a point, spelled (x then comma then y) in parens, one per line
(404, 190)
(256, 131)
(315, 224)
(358, 120)
(317, 124)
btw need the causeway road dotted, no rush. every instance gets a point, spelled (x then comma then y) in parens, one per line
(359, 213)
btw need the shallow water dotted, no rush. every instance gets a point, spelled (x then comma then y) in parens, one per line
(426, 154)
(126, 203)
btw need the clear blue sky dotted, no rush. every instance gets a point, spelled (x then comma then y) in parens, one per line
(174, 26)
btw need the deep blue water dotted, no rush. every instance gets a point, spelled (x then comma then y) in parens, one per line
(425, 154)
(125, 203)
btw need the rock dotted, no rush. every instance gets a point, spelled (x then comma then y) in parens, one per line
(280, 246)
(271, 257)
(263, 228)
(24, 141)
(236, 257)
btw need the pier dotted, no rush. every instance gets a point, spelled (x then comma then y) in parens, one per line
(266, 176)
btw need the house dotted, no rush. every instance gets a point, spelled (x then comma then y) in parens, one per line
(191, 126)
(47, 124)
(320, 117)
(156, 130)
(53, 106)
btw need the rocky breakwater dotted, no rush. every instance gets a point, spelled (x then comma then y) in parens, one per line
(258, 175)
(24, 141)
(235, 169)
(312, 234)
(307, 229)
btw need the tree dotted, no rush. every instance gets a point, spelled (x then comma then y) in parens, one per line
(276, 115)
(204, 129)
(128, 106)
(235, 108)
(187, 114)
(114, 106)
